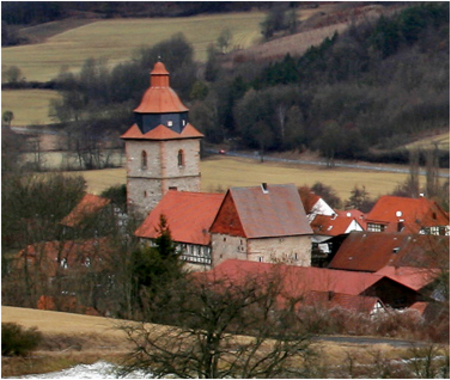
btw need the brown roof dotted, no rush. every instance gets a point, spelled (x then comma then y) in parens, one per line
(414, 212)
(159, 97)
(331, 225)
(89, 205)
(254, 212)
(161, 132)
(189, 216)
(371, 251)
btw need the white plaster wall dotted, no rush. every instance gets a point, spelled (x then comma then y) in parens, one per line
(294, 250)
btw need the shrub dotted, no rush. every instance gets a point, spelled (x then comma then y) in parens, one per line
(19, 341)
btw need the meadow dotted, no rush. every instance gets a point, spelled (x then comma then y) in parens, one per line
(30, 107)
(72, 339)
(116, 40)
(220, 173)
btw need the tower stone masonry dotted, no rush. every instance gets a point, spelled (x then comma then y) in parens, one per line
(162, 147)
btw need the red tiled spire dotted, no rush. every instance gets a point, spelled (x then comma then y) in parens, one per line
(159, 97)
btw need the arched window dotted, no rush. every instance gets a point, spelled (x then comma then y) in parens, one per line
(180, 158)
(144, 160)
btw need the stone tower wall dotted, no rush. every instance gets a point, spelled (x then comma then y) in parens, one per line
(147, 185)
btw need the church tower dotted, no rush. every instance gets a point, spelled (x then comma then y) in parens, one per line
(162, 148)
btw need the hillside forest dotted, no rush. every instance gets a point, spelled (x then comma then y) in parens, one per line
(362, 94)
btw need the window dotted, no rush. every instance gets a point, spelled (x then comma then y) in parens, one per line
(144, 160)
(375, 227)
(260, 259)
(170, 123)
(180, 158)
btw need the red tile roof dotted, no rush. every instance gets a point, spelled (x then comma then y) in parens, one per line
(189, 216)
(253, 212)
(50, 253)
(331, 225)
(89, 205)
(330, 300)
(413, 278)
(161, 132)
(297, 281)
(415, 212)
(371, 251)
(359, 216)
(159, 97)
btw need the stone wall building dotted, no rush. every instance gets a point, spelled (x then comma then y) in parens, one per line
(162, 148)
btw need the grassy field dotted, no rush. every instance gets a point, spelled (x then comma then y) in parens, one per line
(221, 172)
(28, 106)
(115, 40)
(72, 339)
(441, 140)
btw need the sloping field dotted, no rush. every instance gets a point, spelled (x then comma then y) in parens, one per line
(115, 40)
(28, 106)
(441, 141)
(76, 338)
(219, 173)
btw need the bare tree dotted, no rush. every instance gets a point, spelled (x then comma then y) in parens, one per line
(220, 329)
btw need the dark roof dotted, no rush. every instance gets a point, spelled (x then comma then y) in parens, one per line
(161, 132)
(189, 216)
(257, 212)
(371, 251)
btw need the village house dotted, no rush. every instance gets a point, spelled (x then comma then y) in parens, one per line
(326, 229)
(189, 216)
(332, 287)
(408, 216)
(417, 262)
(370, 251)
(264, 223)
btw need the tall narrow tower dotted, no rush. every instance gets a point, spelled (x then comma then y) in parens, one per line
(162, 148)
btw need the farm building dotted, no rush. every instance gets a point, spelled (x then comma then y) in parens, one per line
(332, 287)
(328, 227)
(408, 216)
(262, 223)
(370, 251)
(189, 216)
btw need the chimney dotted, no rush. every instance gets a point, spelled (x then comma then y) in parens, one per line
(264, 188)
